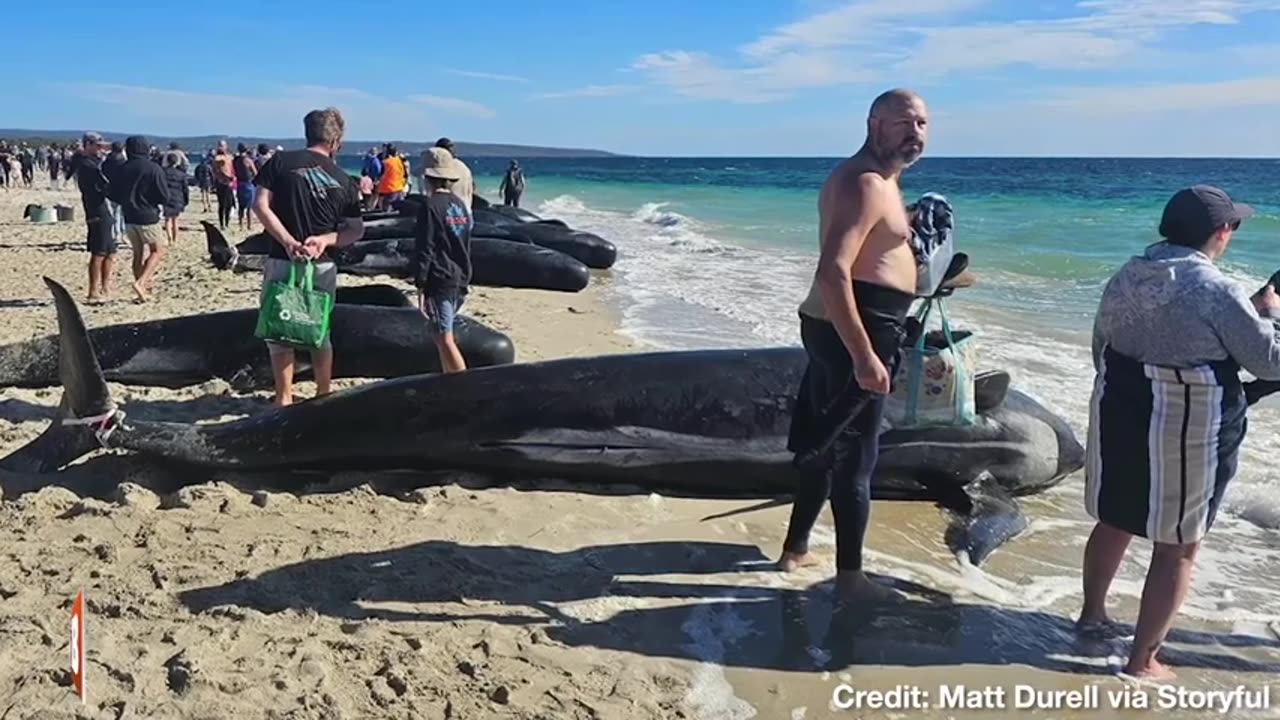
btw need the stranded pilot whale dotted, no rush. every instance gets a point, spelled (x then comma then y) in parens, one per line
(703, 423)
(494, 262)
(375, 329)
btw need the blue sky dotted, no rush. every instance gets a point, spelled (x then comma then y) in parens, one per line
(667, 77)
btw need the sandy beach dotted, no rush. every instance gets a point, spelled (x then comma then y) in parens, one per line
(410, 595)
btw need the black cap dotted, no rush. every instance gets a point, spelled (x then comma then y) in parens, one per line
(137, 146)
(1195, 213)
(445, 143)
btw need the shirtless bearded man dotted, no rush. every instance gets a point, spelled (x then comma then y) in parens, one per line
(852, 325)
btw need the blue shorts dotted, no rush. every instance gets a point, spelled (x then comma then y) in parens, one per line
(244, 195)
(441, 308)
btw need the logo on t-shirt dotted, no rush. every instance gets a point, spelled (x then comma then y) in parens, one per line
(318, 181)
(458, 220)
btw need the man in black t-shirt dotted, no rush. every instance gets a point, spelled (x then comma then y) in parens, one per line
(97, 215)
(442, 253)
(308, 205)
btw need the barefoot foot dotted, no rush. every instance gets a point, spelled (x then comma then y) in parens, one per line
(1153, 670)
(1098, 627)
(790, 562)
(141, 292)
(858, 589)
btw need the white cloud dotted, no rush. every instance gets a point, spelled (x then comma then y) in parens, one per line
(853, 24)
(951, 50)
(277, 113)
(1213, 119)
(455, 105)
(860, 42)
(488, 76)
(1168, 97)
(590, 91)
(698, 75)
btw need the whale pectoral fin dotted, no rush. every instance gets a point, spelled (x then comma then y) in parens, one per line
(990, 389)
(1259, 389)
(992, 518)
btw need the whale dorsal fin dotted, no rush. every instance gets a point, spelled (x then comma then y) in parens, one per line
(989, 389)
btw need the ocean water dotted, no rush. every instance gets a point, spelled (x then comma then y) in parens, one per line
(719, 252)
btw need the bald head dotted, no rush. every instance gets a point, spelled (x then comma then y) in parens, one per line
(894, 101)
(897, 127)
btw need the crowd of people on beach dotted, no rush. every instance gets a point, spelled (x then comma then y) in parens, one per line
(19, 164)
(303, 200)
(132, 191)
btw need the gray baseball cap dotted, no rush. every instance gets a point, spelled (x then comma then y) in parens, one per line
(1194, 213)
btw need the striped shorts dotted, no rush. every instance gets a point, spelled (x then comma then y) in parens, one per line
(1163, 444)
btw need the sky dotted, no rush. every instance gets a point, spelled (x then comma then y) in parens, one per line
(667, 77)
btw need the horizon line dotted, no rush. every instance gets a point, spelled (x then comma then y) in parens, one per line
(615, 153)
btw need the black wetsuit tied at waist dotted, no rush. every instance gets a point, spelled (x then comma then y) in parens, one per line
(830, 398)
(835, 426)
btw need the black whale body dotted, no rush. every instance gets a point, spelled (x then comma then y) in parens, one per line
(375, 330)
(707, 423)
(588, 248)
(495, 263)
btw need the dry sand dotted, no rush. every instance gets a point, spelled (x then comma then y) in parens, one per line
(404, 595)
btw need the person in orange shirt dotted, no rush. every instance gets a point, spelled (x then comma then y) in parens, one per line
(394, 181)
(224, 178)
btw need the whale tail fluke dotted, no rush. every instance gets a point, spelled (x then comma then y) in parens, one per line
(1259, 389)
(87, 410)
(221, 254)
(991, 519)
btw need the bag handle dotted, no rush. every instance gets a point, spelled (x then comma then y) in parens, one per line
(308, 274)
(922, 316)
(961, 377)
(946, 325)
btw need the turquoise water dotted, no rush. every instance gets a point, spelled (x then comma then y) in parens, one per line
(1043, 233)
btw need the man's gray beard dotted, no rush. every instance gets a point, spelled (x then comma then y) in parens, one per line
(893, 158)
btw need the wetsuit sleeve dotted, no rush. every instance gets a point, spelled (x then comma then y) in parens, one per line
(426, 236)
(1253, 341)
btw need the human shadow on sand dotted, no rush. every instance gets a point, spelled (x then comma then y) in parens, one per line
(41, 245)
(735, 624)
(24, 303)
(186, 410)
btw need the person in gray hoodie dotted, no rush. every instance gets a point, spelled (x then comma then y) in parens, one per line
(1167, 412)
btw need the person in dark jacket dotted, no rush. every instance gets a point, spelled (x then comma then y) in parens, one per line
(512, 186)
(97, 215)
(175, 178)
(140, 187)
(109, 167)
(204, 180)
(442, 254)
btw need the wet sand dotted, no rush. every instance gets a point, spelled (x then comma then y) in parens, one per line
(443, 596)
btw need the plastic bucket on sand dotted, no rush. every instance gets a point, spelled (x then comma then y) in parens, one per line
(42, 215)
(65, 213)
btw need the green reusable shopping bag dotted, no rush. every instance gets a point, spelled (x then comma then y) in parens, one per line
(292, 312)
(934, 382)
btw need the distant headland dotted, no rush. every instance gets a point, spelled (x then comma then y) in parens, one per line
(201, 142)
